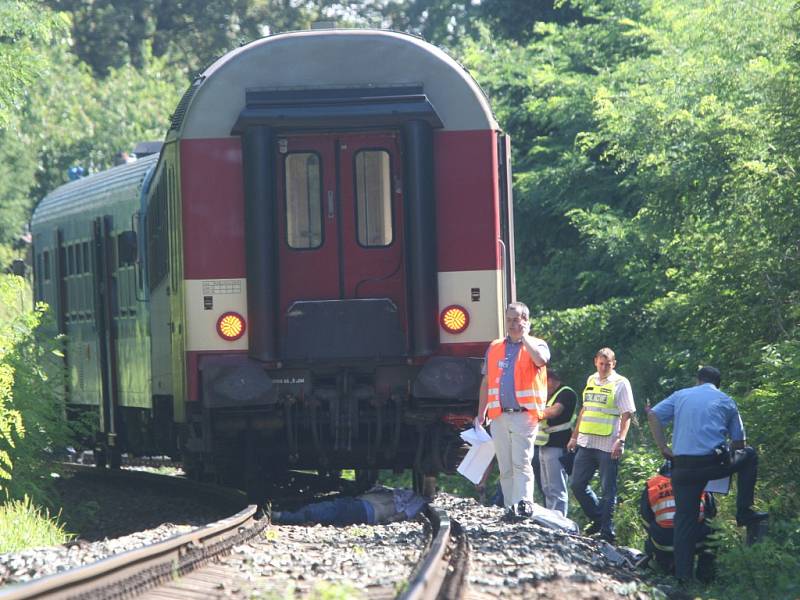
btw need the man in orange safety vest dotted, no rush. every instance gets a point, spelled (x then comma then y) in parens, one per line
(513, 395)
(657, 508)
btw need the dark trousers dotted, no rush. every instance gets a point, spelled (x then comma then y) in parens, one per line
(690, 474)
(660, 542)
(587, 462)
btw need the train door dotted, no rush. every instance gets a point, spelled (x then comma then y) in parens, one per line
(340, 218)
(105, 310)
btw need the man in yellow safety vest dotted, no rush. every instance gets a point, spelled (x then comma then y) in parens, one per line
(551, 443)
(599, 439)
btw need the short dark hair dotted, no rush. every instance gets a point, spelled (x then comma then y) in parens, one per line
(553, 374)
(521, 308)
(709, 375)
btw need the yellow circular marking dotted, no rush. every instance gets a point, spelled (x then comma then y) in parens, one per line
(454, 319)
(231, 326)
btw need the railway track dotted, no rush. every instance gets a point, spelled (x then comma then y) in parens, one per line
(195, 564)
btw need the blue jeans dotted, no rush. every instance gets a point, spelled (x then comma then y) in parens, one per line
(341, 511)
(587, 462)
(553, 479)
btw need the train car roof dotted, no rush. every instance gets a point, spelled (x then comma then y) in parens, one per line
(331, 59)
(92, 193)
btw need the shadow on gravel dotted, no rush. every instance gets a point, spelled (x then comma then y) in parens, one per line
(93, 511)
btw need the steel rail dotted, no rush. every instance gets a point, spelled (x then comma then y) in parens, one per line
(442, 571)
(135, 571)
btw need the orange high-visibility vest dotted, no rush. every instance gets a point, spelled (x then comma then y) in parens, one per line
(530, 381)
(662, 501)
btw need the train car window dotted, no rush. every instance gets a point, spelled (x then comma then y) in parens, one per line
(71, 260)
(157, 249)
(87, 266)
(303, 201)
(46, 269)
(78, 260)
(373, 198)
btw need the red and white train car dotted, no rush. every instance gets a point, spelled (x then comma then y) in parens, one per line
(327, 244)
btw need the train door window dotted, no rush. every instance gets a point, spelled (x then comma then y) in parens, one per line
(71, 260)
(87, 267)
(40, 277)
(373, 198)
(303, 201)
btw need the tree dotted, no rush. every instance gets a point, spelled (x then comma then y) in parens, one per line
(68, 119)
(24, 29)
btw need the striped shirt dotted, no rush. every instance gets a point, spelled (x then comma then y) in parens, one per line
(623, 396)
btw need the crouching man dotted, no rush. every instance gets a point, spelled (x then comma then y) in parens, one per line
(657, 508)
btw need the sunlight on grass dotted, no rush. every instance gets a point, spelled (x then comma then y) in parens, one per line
(23, 525)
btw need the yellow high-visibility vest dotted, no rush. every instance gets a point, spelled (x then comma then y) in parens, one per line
(600, 408)
(543, 435)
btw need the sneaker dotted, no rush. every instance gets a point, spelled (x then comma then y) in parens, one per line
(525, 509)
(510, 514)
(592, 529)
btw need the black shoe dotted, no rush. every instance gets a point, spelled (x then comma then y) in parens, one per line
(751, 516)
(525, 509)
(593, 528)
(609, 537)
(510, 514)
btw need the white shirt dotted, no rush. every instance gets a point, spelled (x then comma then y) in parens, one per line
(623, 397)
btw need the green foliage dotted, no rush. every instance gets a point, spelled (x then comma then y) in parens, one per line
(23, 525)
(32, 424)
(635, 468)
(24, 28)
(71, 119)
(765, 570)
(656, 182)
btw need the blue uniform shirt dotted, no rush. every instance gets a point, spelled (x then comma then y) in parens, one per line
(704, 417)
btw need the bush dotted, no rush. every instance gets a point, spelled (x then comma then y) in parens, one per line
(32, 423)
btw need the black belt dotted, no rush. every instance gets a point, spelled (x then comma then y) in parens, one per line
(688, 460)
(515, 410)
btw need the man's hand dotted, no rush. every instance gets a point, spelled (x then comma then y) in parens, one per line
(617, 448)
(666, 452)
(572, 444)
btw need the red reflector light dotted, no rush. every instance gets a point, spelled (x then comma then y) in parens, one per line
(230, 326)
(454, 319)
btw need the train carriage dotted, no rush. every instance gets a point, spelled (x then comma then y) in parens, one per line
(324, 253)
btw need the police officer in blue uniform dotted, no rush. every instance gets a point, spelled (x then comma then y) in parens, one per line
(704, 421)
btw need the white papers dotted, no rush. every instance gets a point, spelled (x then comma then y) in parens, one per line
(480, 454)
(719, 486)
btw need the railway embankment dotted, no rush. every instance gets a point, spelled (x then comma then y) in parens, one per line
(506, 560)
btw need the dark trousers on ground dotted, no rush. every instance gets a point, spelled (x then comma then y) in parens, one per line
(587, 462)
(340, 511)
(690, 474)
